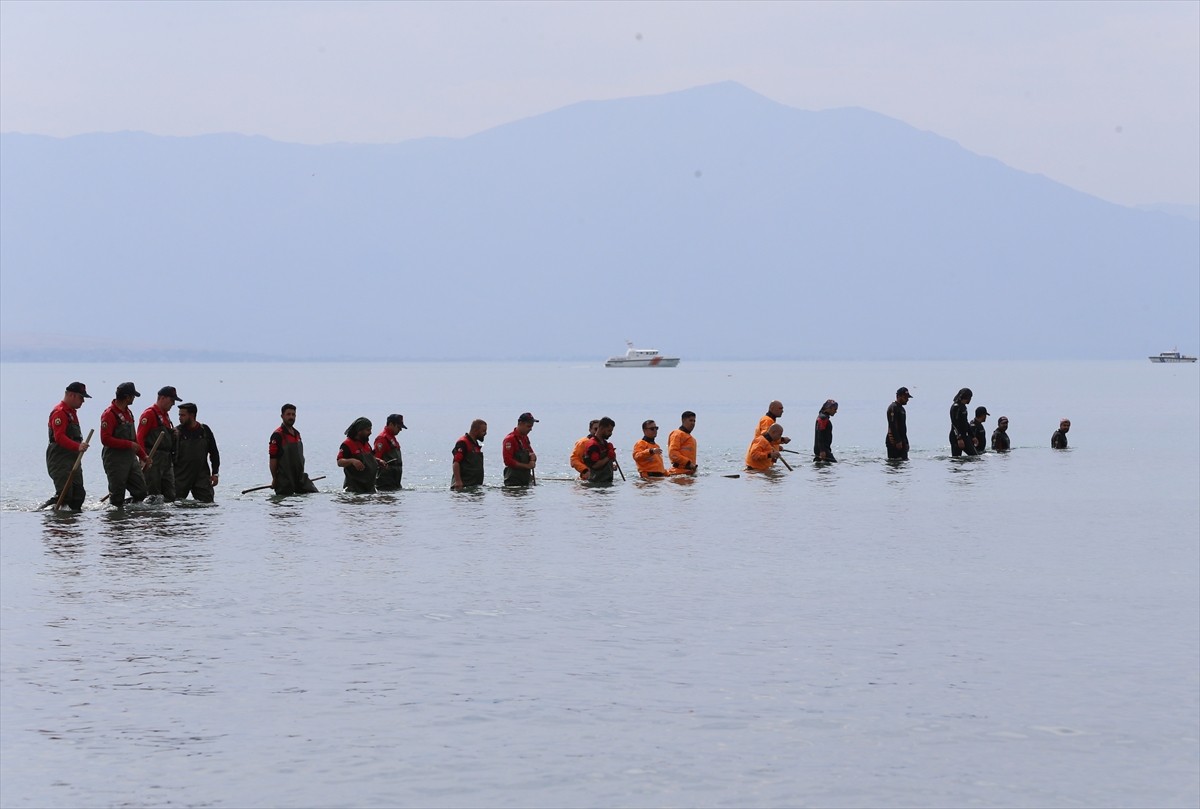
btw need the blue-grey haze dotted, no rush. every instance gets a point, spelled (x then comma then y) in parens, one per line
(713, 223)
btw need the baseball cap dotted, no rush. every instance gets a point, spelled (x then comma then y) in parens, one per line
(396, 418)
(169, 391)
(80, 388)
(903, 392)
(127, 389)
(526, 417)
(982, 411)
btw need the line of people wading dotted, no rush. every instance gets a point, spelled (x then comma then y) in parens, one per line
(150, 457)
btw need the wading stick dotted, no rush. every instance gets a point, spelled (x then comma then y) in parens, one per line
(70, 477)
(268, 486)
(149, 457)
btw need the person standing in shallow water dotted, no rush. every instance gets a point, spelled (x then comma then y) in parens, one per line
(577, 461)
(647, 454)
(601, 456)
(195, 446)
(1000, 439)
(961, 441)
(123, 455)
(155, 421)
(823, 432)
(978, 431)
(681, 446)
(519, 458)
(1059, 439)
(357, 459)
(285, 450)
(387, 451)
(466, 468)
(66, 443)
(896, 441)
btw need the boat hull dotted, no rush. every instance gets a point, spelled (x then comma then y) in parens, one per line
(651, 362)
(1172, 359)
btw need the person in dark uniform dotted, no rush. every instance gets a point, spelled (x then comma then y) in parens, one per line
(978, 431)
(357, 458)
(823, 432)
(66, 444)
(519, 458)
(601, 456)
(387, 451)
(1000, 440)
(897, 432)
(466, 469)
(123, 455)
(1059, 439)
(961, 440)
(156, 420)
(286, 452)
(195, 448)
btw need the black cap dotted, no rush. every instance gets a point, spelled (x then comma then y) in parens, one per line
(1004, 419)
(525, 417)
(169, 391)
(904, 392)
(396, 418)
(127, 389)
(981, 411)
(80, 388)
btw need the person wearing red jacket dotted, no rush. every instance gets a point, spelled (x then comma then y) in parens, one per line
(519, 458)
(66, 443)
(124, 458)
(155, 421)
(600, 456)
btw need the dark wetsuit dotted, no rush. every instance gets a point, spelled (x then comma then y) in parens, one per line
(960, 429)
(1058, 440)
(823, 439)
(359, 481)
(1000, 440)
(468, 454)
(121, 463)
(597, 452)
(897, 433)
(195, 446)
(387, 448)
(979, 434)
(62, 452)
(288, 450)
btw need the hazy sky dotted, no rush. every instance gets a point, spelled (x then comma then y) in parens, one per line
(1103, 96)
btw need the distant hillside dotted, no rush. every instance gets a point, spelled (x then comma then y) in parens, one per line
(712, 223)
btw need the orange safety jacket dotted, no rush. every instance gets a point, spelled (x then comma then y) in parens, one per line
(577, 462)
(648, 457)
(759, 455)
(681, 450)
(764, 424)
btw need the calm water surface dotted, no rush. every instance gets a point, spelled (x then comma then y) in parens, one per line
(1013, 630)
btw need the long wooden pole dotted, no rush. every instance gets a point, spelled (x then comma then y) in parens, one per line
(268, 486)
(70, 475)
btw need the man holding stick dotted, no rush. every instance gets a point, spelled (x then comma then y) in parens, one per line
(156, 434)
(286, 452)
(66, 446)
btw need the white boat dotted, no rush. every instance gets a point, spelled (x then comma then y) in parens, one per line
(641, 358)
(1172, 356)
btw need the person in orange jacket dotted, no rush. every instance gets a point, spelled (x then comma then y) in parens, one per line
(774, 411)
(681, 446)
(647, 454)
(577, 461)
(764, 450)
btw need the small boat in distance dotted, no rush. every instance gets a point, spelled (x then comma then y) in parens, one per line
(641, 358)
(1172, 356)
